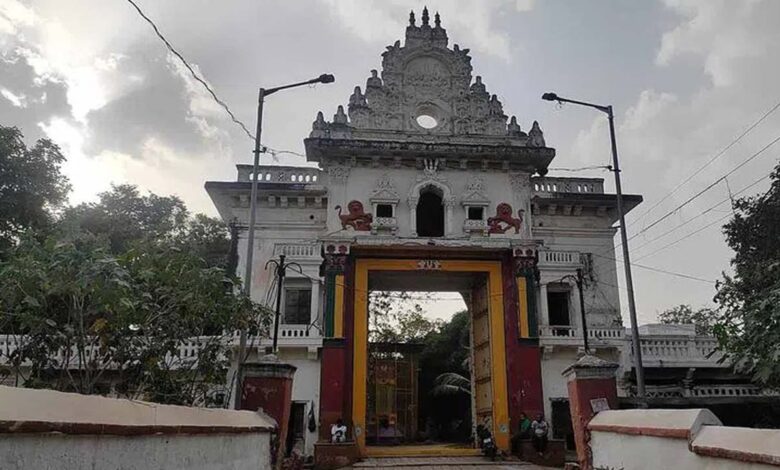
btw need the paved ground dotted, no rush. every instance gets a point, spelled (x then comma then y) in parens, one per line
(442, 463)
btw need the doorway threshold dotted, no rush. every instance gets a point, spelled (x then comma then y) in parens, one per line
(422, 450)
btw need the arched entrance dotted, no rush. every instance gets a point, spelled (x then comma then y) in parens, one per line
(489, 349)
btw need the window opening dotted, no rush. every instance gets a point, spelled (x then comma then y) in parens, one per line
(297, 306)
(430, 214)
(384, 210)
(476, 213)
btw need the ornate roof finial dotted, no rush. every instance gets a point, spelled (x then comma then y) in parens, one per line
(437, 20)
(425, 17)
(340, 117)
(535, 136)
(411, 18)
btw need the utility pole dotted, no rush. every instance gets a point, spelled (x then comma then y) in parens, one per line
(281, 270)
(640, 371)
(250, 242)
(579, 281)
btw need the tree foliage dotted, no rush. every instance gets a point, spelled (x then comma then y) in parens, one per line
(395, 318)
(84, 317)
(748, 326)
(32, 185)
(684, 314)
(129, 293)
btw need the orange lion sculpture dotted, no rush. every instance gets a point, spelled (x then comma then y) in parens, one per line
(503, 219)
(355, 217)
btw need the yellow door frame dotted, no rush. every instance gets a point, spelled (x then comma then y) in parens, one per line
(363, 267)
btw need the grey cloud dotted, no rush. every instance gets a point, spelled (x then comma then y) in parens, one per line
(45, 97)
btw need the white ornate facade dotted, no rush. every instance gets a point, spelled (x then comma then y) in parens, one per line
(423, 141)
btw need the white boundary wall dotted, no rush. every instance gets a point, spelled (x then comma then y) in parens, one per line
(44, 429)
(680, 439)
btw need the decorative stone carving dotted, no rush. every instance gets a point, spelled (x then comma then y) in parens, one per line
(535, 136)
(384, 190)
(338, 174)
(503, 219)
(355, 217)
(424, 77)
(474, 193)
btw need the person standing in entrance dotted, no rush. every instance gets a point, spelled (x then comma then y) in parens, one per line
(539, 429)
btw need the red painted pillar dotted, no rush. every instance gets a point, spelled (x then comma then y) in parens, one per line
(592, 388)
(268, 385)
(332, 385)
(523, 356)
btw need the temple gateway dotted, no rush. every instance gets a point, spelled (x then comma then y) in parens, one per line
(423, 183)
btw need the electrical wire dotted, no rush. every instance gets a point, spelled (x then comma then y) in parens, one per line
(659, 270)
(710, 161)
(196, 77)
(710, 186)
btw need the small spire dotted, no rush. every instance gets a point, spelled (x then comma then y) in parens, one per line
(437, 20)
(425, 16)
(411, 18)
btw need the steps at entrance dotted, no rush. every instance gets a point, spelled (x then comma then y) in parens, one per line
(428, 450)
(449, 463)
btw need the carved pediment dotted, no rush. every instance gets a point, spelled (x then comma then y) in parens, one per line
(474, 193)
(384, 190)
(425, 78)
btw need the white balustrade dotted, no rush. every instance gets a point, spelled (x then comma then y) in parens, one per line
(559, 258)
(280, 174)
(546, 185)
(297, 250)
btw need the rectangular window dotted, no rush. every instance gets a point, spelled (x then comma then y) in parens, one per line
(475, 213)
(297, 306)
(384, 210)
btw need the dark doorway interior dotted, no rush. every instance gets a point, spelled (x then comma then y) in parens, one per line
(430, 214)
(558, 307)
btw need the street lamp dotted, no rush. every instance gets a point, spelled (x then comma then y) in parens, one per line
(640, 372)
(250, 243)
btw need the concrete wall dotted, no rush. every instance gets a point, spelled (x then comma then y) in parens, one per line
(684, 439)
(43, 429)
(46, 451)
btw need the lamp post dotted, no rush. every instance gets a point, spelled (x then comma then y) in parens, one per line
(250, 242)
(640, 372)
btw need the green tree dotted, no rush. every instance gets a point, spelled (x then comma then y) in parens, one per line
(748, 325)
(683, 314)
(32, 185)
(152, 321)
(395, 318)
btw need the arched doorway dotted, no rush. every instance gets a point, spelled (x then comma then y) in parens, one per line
(430, 213)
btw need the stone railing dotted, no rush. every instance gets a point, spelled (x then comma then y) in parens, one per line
(298, 250)
(289, 335)
(597, 333)
(547, 185)
(557, 258)
(680, 351)
(280, 174)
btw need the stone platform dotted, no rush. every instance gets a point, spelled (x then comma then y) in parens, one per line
(443, 463)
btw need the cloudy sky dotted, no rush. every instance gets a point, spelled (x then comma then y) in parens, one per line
(686, 77)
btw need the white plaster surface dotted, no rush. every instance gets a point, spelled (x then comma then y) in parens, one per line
(638, 452)
(679, 420)
(24, 404)
(249, 451)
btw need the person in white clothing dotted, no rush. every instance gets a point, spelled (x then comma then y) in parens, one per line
(338, 432)
(539, 430)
